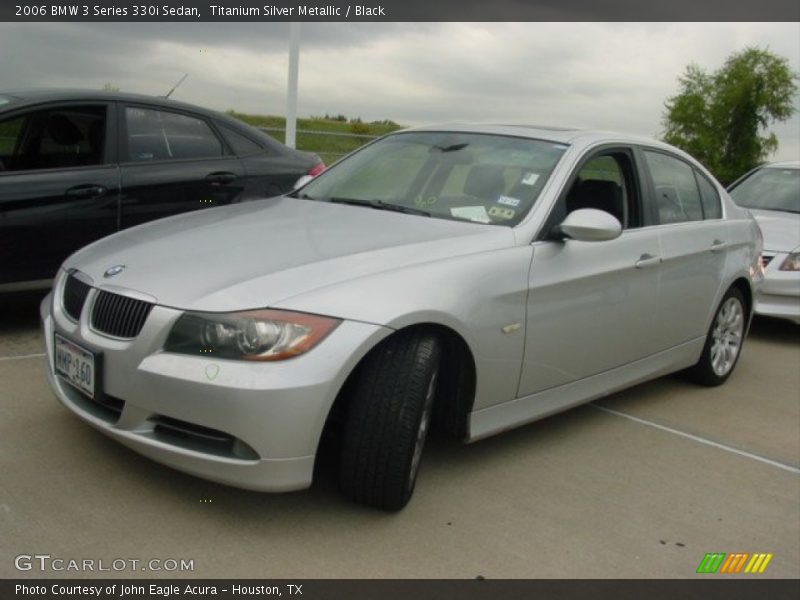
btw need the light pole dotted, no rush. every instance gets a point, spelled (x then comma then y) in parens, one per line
(291, 93)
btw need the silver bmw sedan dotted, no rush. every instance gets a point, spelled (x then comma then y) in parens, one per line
(470, 278)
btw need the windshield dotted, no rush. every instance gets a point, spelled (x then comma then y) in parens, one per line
(770, 189)
(482, 178)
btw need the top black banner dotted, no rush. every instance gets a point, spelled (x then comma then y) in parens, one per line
(396, 10)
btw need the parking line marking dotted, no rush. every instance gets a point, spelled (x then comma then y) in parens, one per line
(22, 356)
(702, 440)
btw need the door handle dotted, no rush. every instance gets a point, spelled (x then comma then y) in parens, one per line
(647, 260)
(86, 191)
(718, 245)
(221, 177)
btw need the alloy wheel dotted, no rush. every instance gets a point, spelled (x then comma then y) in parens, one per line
(422, 431)
(727, 336)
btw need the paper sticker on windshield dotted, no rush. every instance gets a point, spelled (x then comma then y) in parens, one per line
(508, 201)
(498, 212)
(530, 179)
(473, 213)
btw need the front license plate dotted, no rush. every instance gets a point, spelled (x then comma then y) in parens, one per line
(75, 364)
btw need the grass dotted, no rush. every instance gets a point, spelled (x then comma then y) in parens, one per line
(6, 145)
(8, 136)
(329, 147)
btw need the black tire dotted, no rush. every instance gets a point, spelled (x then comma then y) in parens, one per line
(388, 418)
(705, 372)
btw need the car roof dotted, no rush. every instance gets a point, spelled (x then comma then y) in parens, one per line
(563, 135)
(18, 98)
(785, 164)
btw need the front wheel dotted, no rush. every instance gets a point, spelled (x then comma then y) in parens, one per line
(724, 341)
(388, 419)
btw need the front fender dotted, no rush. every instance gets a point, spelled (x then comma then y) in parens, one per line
(482, 297)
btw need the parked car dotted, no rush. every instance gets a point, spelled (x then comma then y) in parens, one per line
(76, 166)
(473, 278)
(772, 193)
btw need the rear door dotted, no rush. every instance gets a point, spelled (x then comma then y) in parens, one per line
(271, 168)
(173, 162)
(59, 187)
(693, 240)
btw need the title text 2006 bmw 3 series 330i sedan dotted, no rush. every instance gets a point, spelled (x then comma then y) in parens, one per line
(471, 278)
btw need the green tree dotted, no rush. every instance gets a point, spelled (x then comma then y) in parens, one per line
(723, 118)
(109, 87)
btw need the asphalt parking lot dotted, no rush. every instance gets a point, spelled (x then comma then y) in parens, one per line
(639, 485)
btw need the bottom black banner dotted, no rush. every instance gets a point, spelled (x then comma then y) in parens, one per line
(390, 589)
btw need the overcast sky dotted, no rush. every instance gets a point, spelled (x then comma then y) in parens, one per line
(593, 75)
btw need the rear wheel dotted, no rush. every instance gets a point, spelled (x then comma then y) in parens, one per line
(724, 341)
(388, 420)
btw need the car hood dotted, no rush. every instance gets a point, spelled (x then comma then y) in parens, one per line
(781, 230)
(257, 254)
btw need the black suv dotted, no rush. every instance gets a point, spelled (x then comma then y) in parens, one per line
(76, 166)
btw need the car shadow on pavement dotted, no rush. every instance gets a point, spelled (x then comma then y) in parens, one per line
(20, 312)
(780, 331)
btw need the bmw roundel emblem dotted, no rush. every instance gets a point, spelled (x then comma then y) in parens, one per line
(115, 270)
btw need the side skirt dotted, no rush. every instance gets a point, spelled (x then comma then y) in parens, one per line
(495, 419)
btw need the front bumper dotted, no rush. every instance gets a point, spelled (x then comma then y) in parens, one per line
(253, 425)
(780, 291)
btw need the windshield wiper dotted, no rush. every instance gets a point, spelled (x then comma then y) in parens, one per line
(451, 148)
(381, 205)
(300, 195)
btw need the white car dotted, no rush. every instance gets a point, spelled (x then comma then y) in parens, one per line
(772, 193)
(472, 278)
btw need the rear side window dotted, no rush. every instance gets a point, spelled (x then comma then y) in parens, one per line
(162, 135)
(242, 145)
(711, 202)
(677, 195)
(56, 138)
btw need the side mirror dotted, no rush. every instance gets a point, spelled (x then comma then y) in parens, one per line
(302, 181)
(590, 225)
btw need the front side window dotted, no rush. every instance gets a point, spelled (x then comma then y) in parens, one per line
(771, 188)
(481, 178)
(155, 135)
(56, 138)
(677, 195)
(605, 182)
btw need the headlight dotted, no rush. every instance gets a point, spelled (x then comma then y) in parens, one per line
(791, 262)
(251, 335)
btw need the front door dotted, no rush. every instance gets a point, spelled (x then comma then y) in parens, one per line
(59, 189)
(592, 306)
